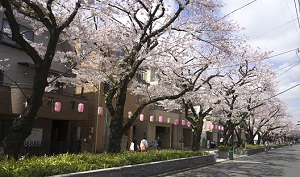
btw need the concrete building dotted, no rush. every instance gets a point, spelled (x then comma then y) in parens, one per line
(64, 130)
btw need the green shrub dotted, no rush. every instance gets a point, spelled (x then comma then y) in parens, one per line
(223, 148)
(69, 163)
(251, 146)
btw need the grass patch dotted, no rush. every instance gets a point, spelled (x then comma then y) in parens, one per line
(70, 163)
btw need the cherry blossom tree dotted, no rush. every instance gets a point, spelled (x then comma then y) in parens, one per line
(177, 39)
(244, 90)
(205, 102)
(46, 17)
(265, 119)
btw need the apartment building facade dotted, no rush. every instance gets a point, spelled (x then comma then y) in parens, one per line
(67, 128)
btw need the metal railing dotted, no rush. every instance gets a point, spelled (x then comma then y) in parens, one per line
(6, 39)
(40, 148)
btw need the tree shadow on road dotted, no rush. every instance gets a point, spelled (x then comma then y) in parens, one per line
(259, 165)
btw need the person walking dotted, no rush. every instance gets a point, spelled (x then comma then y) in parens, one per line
(266, 146)
(134, 146)
(144, 145)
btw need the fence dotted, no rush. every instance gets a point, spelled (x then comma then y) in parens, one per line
(39, 148)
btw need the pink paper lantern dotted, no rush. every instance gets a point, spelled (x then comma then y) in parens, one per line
(182, 122)
(57, 106)
(220, 127)
(80, 107)
(168, 120)
(212, 126)
(189, 124)
(216, 127)
(208, 126)
(100, 111)
(142, 117)
(176, 122)
(160, 119)
(151, 118)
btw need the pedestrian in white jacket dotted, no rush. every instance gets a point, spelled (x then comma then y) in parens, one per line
(144, 145)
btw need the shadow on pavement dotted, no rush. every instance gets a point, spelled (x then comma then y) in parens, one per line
(272, 164)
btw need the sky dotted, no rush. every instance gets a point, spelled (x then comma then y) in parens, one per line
(272, 25)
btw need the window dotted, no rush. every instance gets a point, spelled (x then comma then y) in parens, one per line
(50, 101)
(6, 37)
(140, 76)
(59, 86)
(72, 104)
(152, 75)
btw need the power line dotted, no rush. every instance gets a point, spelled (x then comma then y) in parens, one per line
(292, 17)
(298, 62)
(283, 92)
(290, 65)
(297, 13)
(255, 61)
(280, 53)
(287, 66)
(276, 28)
(237, 9)
(299, 5)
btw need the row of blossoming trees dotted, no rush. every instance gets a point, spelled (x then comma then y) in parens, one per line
(196, 54)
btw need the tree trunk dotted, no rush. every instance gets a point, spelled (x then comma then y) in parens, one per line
(19, 131)
(196, 138)
(22, 126)
(116, 133)
(228, 131)
(239, 139)
(250, 137)
(226, 138)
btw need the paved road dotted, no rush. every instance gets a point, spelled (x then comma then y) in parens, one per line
(280, 162)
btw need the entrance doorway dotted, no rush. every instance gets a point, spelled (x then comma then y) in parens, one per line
(59, 136)
(163, 134)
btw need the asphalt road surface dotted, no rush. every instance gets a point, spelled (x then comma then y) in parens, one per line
(284, 161)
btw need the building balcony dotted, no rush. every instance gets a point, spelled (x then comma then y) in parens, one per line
(6, 39)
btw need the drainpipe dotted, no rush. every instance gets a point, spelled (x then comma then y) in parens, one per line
(105, 134)
(97, 120)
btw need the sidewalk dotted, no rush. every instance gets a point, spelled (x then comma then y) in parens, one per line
(219, 160)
